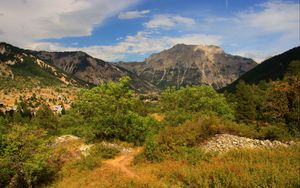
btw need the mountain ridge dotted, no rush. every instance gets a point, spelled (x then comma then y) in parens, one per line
(181, 65)
(270, 69)
(184, 65)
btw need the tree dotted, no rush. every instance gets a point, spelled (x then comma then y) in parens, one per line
(109, 112)
(180, 105)
(24, 157)
(276, 104)
(246, 109)
(45, 119)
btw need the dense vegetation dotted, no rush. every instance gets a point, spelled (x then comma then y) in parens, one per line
(190, 115)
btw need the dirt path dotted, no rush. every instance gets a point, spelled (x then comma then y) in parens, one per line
(123, 162)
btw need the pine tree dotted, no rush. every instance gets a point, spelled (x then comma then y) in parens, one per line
(245, 110)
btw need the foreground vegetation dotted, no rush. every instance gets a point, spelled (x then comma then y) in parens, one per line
(172, 155)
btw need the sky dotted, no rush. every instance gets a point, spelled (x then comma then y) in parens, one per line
(131, 30)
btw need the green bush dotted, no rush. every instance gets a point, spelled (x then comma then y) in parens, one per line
(274, 132)
(182, 141)
(25, 156)
(109, 112)
(180, 105)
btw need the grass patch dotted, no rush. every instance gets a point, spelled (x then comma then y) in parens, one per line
(278, 167)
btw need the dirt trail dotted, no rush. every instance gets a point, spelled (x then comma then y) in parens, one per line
(123, 162)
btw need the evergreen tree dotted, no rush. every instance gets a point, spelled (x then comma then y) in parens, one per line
(246, 109)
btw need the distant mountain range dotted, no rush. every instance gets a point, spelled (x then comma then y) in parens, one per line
(273, 68)
(91, 70)
(184, 65)
(178, 66)
(63, 67)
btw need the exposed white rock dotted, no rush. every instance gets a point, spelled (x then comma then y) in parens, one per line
(65, 138)
(84, 149)
(225, 142)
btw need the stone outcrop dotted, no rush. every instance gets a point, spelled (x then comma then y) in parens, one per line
(226, 142)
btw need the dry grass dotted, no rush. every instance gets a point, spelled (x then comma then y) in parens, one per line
(8, 97)
(158, 117)
(277, 167)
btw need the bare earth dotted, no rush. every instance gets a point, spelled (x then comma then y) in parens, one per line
(123, 162)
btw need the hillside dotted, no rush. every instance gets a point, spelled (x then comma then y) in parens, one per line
(181, 65)
(92, 70)
(18, 65)
(184, 65)
(271, 69)
(24, 76)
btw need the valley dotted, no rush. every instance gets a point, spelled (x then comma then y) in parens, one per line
(190, 116)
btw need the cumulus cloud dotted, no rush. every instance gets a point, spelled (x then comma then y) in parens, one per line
(133, 14)
(275, 16)
(274, 28)
(23, 22)
(261, 31)
(167, 21)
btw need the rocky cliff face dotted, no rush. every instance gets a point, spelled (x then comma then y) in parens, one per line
(191, 65)
(92, 70)
(81, 65)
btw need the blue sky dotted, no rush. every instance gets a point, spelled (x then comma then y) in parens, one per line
(131, 30)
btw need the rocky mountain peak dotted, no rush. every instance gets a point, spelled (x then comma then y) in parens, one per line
(184, 65)
(212, 49)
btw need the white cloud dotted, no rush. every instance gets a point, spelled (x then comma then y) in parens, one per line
(274, 29)
(141, 43)
(23, 22)
(167, 21)
(260, 32)
(275, 16)
(133, 14)
(197, 39)
(256, 55)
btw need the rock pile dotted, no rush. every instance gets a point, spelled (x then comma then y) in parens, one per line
(225, 142)
(65, 138)
(122, 149)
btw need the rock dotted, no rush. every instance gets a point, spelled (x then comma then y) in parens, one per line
(225, 142)
(65, 138)
(85, 149)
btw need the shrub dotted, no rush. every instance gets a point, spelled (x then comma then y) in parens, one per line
(182, 141)
(109, 112)
(180, 105)
(25, 156)
(274, 132)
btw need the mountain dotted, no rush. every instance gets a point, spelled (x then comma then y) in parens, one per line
(272, 69)
(184, 65)
(46, 68)
(91, 70)
(18, 65)
(181, 65)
